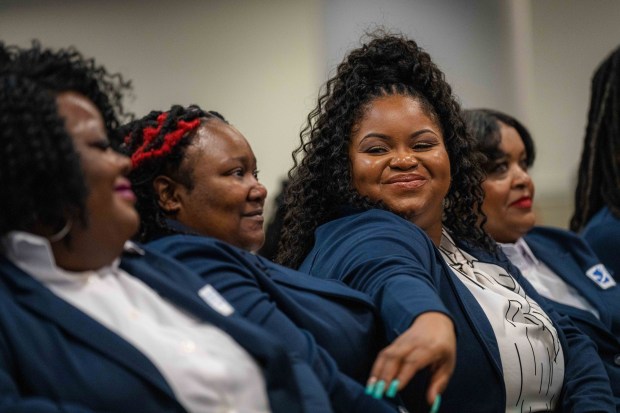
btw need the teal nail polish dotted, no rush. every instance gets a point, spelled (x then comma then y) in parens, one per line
(436, 404)
(391, 392)
(378, 393)
(370, 388)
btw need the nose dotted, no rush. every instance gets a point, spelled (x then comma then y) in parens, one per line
(521, 178)
(404, 159)
(258, 193)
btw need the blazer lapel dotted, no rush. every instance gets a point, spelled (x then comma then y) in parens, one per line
(476, 316)
(564, 265)
(39, 299)
(180, 286)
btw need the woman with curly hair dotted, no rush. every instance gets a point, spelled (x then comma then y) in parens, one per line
(597, 197)
(386, 198)
(90, 322)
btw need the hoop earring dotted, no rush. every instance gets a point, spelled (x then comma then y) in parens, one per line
(62, 233)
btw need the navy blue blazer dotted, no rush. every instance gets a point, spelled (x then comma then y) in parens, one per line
(570, 257)
(602, 232)
(394, 262)
(306, 311)
(55, 358)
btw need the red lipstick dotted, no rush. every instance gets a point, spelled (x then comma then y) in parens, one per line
(524, 203)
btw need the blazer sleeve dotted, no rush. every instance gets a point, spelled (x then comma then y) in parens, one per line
(603, 239)
(386, 257)
(239, 286)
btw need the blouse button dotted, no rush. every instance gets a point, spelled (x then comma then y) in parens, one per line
(617, 359)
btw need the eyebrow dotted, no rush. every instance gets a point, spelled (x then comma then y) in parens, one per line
(242, 159)
(386, 137)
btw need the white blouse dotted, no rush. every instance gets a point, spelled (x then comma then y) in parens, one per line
(207, 370)
(544, 279)
(530, 351)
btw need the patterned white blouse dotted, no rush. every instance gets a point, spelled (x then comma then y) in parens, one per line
(530, 351)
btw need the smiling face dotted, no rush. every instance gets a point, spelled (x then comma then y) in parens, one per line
(509, 190)
(226, 201)
(398, 157)
(111, 216)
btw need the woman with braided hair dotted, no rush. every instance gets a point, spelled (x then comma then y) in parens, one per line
(386, 197)
(200, 202)
(90, 322)
(597, 197)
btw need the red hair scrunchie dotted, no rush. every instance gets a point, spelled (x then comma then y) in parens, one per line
(170, 140)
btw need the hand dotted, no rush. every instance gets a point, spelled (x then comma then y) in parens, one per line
(429, 342)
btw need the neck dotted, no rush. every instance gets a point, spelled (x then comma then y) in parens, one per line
(432, 229)
(82, 253)
(435, 235)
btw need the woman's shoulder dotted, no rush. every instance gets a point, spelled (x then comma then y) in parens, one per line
(551, 233)
(180, 242)
(377, 221)
(368, 235)
(602, 224)
(543, 239)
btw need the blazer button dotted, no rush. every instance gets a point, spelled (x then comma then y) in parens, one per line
(617, 359)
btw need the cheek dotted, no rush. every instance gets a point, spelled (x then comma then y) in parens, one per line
(495, 205)
(491, 198)
(444, 166)
(438, 165)
(366, 172)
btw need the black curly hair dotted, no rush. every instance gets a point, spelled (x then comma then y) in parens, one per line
(598, 182)
(40, 171)
(484, 128)
(157, 144)
(320, 184)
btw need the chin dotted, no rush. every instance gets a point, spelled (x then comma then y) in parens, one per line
(130, 225)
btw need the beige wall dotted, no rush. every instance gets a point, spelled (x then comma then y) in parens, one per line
(261, 62)
(530, 58)
(570, 39)
(254, 61)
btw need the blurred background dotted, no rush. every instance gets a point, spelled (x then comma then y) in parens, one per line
(262, 63)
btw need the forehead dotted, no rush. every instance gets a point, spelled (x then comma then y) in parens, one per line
(218, 140)
(80, 115)
(510, 140)
(384, 110)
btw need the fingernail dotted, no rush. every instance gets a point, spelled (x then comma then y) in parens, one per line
(436, 404)
(378, 393)
(391, 392)
(370, 387)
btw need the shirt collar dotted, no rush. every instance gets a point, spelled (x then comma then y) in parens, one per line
(33, 254)
(519, 251)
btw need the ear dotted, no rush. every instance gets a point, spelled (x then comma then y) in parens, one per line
(167, 193)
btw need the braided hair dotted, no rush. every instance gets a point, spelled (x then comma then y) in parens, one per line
(320, 184)
(598, 182)
(157, 144)
(40, 171)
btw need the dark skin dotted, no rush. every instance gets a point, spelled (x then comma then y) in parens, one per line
(224, 204)
(226, 201)
(398, 157)
(111, 217)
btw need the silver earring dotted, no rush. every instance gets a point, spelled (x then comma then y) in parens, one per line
(62, 233)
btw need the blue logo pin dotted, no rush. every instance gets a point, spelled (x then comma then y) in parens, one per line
(601, 276)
